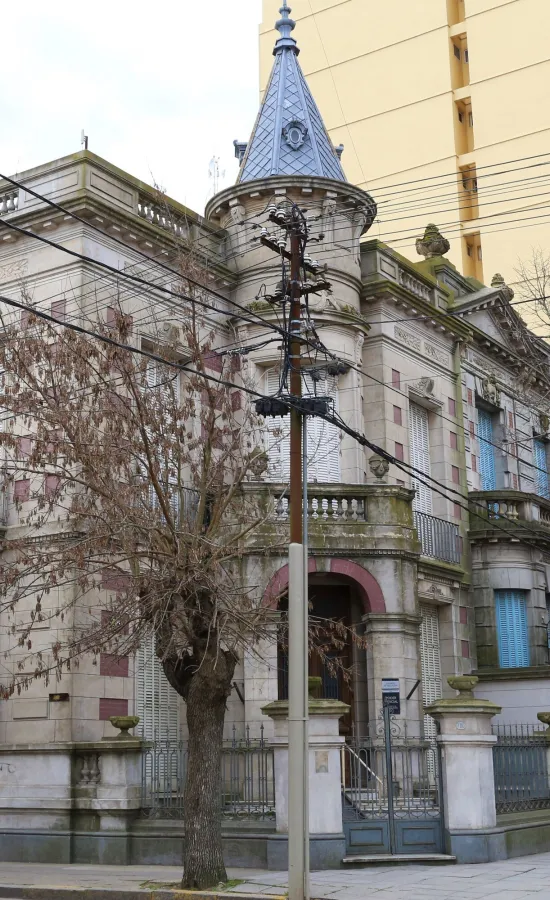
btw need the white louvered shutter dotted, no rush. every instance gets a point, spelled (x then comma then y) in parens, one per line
(156, 703)
(323, 437)
(430, 659)
(277, 435)
(419, 439)
(164, 378)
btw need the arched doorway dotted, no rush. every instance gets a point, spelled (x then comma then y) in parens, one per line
(334, 599)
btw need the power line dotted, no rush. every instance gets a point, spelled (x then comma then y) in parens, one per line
(256, 394)
(134, 278)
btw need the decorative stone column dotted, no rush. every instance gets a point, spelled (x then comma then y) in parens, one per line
(327, 841)
(468, 790)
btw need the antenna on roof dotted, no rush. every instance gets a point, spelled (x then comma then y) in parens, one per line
(83, 140)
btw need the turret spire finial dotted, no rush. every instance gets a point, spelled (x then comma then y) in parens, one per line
(285, 26)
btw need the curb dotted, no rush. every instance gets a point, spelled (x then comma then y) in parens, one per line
(22, 892)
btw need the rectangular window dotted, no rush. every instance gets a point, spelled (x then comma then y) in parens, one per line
(420, 455)
(486, 451)
(474, 463)
(58, 310)
(51, 485)
(323, 438)
(453, 440)
(430, 661)
(463, 615)
(156, 703)
(466, 56)
(395, 378)
(397, 415)
(22, 490)
(399, 452)
(456, 51)
(455, 474)
(470, 397)
(452, 406)
(457, 511)
(541, 471)
(112, 706)
(513, 640)
(465, 649)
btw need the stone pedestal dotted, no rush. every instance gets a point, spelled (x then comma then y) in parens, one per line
(73, 802)
(35, 802)
(327, 841)
(466, 743)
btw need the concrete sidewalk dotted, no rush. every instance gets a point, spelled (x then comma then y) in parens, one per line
(527, 878)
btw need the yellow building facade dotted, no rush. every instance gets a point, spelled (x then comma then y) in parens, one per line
(443, 109)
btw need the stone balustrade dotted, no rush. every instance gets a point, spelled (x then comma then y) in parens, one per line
(508, 506)
(328, 503)
(9, 201)
(162, 216)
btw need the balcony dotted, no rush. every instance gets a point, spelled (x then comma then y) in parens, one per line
(504, 509)
(342, 518)
(439, 539)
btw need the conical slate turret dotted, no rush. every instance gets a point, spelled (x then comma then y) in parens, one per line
(289, 137)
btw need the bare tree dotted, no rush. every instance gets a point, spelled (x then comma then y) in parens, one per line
(127, 462)
(119, 463)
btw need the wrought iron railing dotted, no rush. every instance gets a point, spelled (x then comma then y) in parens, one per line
(247, 782)
(439, 539)
(520, 763)
(388, 770)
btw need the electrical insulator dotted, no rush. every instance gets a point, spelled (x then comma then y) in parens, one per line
(314, 264)
(307, 260)
(272, 209)
(264, 232)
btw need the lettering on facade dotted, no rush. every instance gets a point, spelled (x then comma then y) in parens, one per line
(16, 269)
(407, 338)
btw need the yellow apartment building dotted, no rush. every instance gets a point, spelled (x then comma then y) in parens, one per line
(443, 107)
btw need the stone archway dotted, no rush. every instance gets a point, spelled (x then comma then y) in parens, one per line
(367, 586)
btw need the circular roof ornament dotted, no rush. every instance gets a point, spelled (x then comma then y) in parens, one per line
(295, 133)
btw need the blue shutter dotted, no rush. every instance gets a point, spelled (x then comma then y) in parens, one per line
(486, 451)
(513, 640)
(541, 472)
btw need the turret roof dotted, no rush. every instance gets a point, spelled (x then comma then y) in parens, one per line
(289, 137)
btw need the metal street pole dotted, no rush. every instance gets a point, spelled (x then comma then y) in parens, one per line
(298, 818)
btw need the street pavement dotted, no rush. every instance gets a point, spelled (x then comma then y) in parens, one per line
(527, 878)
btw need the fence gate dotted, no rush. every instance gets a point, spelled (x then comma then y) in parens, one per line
(391, 792)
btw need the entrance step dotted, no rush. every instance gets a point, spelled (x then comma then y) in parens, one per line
(411, 859)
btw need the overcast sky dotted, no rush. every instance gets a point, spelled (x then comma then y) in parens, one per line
(160, 87)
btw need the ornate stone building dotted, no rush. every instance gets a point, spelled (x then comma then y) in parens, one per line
(444, 569)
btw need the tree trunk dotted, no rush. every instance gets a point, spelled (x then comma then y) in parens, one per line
(206, 696)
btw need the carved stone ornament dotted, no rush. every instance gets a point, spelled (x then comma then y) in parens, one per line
(490, 391)
(433, 243)
(295, 134)
(499, 282)
(424, 386)
(379, 466)
(544, 423)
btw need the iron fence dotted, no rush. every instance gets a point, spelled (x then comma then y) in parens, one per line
(439, 539)
(247, 779)
(520, 763)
